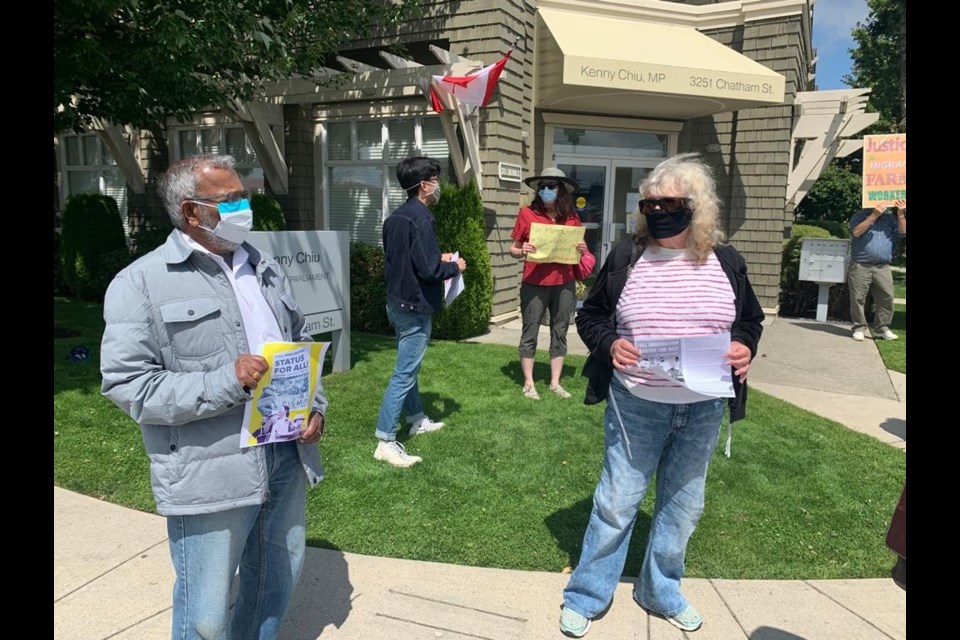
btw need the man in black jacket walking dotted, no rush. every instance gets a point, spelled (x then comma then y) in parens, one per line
(415, 270)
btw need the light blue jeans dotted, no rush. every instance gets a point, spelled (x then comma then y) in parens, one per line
(403, 393)
(266, 541)
(674, 440)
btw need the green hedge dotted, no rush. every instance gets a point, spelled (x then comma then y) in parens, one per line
(59, 288)
(460, 227)
(267, 214)
(798, 298)
(368, 291)
(149, 238)
(92, 234)
(835, 228)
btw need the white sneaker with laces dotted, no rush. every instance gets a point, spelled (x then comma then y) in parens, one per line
(395, 454)
(424, 425)
(887, 335)
(858, 336)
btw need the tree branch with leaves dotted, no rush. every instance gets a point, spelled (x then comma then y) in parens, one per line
(136, 62)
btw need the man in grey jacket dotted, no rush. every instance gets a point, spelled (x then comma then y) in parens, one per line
(182, 326)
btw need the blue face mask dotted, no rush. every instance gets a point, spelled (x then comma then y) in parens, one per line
(549, 196)
(236, 219)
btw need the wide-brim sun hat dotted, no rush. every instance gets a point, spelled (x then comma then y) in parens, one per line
(553, 173)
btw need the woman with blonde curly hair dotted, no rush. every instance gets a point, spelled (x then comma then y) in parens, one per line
(674, 278)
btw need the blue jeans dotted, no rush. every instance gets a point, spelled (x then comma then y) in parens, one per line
(403, 392)
(266, 541)
(674, 440)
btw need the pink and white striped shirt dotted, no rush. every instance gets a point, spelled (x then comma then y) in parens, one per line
(670, 295)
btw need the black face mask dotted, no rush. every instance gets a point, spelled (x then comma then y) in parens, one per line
(667, 225)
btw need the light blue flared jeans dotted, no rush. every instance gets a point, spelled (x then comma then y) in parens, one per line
(641, 437)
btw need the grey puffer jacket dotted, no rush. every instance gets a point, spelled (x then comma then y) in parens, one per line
(173, 332)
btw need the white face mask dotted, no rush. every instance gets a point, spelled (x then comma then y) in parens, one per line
(434, 196)
(236, 220)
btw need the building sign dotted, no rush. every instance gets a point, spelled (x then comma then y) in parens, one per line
(884, 169)
(509, 172)
(318, 265)
(661, 78)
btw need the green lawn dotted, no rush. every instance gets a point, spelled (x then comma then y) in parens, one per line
(894, 352)
(508, 483)
(900, 284)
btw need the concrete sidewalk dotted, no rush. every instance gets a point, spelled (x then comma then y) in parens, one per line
(113, 579)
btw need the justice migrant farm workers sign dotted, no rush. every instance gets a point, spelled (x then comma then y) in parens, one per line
(884, 169)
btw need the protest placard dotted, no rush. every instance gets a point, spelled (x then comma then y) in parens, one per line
(555, 243)
(884, 169)
(282, 402)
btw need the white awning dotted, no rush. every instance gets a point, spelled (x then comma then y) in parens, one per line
(599, 64)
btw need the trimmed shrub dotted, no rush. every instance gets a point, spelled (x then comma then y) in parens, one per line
(368, 289)
(111, 263)
(92, 228)
(267, 214)
(147, 239)
(460, 227)
(798, 298)
(836, 228)
(58, 286)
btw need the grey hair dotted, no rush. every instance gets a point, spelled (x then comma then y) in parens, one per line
(687, 174)
(182, 178)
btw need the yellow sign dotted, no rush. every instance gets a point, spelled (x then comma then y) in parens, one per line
(283, 400)
(581, 202)
(884, 169)
(555, 243)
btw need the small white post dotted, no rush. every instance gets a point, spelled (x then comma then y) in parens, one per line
(823, 301)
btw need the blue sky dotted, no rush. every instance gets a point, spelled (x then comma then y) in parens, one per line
(833, 20)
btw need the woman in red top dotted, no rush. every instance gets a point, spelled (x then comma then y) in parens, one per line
(547, 285)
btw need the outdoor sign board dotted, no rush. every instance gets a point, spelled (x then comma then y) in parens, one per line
(509, 172)
(318, 265)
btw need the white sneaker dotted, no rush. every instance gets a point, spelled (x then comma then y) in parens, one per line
(424, 425)
(394, 453)
(858, 336)
(887, 335)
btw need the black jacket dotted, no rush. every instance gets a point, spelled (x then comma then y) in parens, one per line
(596, 321)
(413, 269)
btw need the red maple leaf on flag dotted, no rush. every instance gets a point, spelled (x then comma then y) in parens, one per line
(473, 90)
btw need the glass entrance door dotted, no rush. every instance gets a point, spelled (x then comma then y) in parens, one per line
(607, 198)
(590, 200)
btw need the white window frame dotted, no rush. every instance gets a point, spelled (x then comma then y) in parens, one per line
(386, 164)
(220, 123)
(100, 167)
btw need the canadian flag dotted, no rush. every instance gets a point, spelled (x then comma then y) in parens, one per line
(474, 90)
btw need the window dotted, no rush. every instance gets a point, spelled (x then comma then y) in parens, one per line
(88, 167)
(360, 169)
(222, 139)
(609, 143)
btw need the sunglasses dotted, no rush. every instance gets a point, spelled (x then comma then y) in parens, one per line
(548, 185)
(666, 205)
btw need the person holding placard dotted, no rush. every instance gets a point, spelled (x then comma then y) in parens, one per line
(180, 355)
(674, 278)
(415, 270)
(875, 236)
(548, 286)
